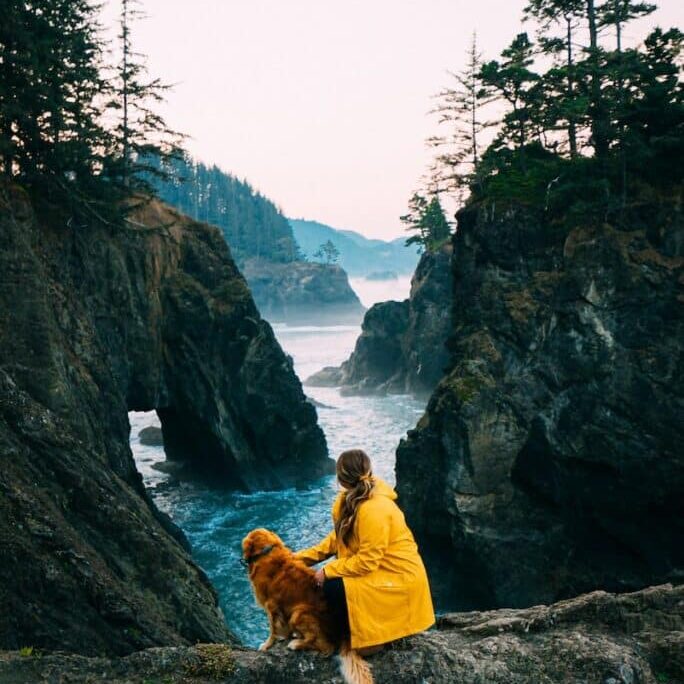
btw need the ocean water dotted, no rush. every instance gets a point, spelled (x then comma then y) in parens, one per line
(216, 521)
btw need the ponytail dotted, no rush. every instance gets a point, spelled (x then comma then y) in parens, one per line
(355, 474)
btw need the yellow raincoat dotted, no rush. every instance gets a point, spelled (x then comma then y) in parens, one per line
(388, 596)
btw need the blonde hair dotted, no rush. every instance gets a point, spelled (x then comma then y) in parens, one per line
(355, 475)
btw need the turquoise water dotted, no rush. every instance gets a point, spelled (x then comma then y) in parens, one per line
(215, 522)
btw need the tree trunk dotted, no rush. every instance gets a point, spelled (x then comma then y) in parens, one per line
(572, 127)
(599, 124)
(124, 79)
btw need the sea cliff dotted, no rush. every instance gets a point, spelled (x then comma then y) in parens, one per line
(549, 460)
(96, 320)
(299, 292)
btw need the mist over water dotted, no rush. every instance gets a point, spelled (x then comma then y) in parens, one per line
(372, 291)
(216, 521)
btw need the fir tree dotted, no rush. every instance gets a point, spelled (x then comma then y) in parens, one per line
(50, 75)
(427, 221)
(513, 81)
(141, 133)
(616, 13)
(327, 252)
(252, 225)
(460, 108)
(563, 104)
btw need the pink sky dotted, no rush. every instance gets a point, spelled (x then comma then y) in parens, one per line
(321, 104)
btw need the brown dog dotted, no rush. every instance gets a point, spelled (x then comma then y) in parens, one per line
(285, 587)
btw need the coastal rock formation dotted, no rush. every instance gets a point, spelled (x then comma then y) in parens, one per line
(628, 639)
(549, 461)
(401, 348)
(97, 320)
(302, 291)
(151, 436)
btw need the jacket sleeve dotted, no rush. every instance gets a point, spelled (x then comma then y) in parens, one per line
(373, 532)
(319, 552)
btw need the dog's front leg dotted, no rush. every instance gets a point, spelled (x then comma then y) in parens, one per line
(273, 626)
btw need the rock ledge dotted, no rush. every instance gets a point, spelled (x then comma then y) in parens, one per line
(635, 638)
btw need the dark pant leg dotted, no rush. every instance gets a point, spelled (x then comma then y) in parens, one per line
(333, 589)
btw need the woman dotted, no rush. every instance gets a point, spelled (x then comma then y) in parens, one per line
(378, 581)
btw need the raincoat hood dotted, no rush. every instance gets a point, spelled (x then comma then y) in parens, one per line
(382, 488)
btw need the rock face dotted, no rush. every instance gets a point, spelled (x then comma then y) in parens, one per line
(401, 348)
(96, 321)
(602, 638)
(302, 291)
(549, 460)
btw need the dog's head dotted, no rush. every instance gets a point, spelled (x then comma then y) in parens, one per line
(259, 542)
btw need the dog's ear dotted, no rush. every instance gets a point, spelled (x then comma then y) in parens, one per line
(249, 544)
(255, 541)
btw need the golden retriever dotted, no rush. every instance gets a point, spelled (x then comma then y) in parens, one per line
(296, 608)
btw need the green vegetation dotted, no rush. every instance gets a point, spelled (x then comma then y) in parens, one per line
(327, 252)
(27, 652)
(214, 661)
(252, 225)
(427, 221)
(74, 131)
(594, 135)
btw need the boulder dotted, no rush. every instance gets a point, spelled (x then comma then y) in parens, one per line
(151, 436)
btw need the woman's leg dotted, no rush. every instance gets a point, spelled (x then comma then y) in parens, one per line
(333, 590)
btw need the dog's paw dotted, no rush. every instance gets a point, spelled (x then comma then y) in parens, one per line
(295, 644)
(266, 645)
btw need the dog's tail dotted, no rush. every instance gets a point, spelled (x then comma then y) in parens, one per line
(353, 667)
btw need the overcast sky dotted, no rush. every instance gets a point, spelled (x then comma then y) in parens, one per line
(321, 104)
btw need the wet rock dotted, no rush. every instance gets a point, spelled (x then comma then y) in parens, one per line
(594, 638)
(549, 459)
(97, 320)
(151, 436)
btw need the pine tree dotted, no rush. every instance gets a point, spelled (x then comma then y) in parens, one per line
(461, 109)
(328, 252)
(252, 225)
(564, 103)
(616, 13)
(651, 110)
(513, 81)
(427, 221)
(50, 75)
(141, 134)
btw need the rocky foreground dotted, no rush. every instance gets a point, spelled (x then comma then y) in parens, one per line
(597, 638)
(401, 348)
(97, 320)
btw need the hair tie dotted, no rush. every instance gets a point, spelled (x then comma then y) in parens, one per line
(366, 477)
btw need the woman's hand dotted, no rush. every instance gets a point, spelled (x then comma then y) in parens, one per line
(319, 577)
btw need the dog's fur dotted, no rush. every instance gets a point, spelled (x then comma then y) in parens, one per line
(297, 610)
